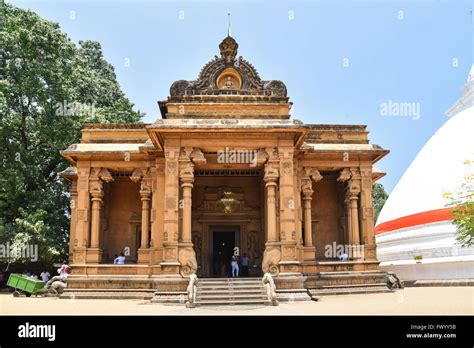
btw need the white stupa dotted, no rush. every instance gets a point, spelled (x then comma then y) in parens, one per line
(414, 235)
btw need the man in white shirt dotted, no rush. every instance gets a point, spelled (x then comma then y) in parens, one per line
(45, 276)
(120, 260)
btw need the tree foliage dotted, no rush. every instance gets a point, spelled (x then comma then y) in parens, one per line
(379, 196)
(49, 87)
(462, 203)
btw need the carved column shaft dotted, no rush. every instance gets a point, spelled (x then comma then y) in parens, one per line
(355, 240)
(145, 197)
(97, 195)
(187, 209)
(271, 211)
(72, 235)
(308, 233)
(82, 214)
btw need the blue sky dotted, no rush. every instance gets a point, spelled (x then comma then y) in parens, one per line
(339, 59)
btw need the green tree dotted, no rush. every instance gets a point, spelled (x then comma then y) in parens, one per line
(379, 196)
(49, 87)
(462, 203)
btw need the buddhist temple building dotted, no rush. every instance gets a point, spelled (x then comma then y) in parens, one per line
(225, 171)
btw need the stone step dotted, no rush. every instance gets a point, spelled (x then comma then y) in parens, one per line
(350, 274)
(123, 294)
(226, 287)
(229, 279)
(352, 286)
(109, 290)
(235, 291)
(227, 296)
(349, 290)
(233, 302)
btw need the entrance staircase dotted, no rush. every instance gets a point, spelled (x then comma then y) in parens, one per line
(231, 291)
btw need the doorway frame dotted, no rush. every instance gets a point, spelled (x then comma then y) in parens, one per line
(236, 228)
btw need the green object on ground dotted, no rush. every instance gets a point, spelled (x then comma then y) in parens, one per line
(25, 284)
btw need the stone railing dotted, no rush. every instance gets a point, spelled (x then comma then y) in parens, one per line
(191, 290)
(270, 287)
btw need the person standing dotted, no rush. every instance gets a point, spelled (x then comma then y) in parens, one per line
(235, 266)
(245, 265)
(45, 277)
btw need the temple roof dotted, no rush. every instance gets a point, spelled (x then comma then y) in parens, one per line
(229, 80)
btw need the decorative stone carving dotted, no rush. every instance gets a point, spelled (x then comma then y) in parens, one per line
(252, 247)
(102, 174)
(344, 175)
(178, 88)
(208, 79)
(270, 288)
(197, 157)
(261, 157)
(197, 244)
(276, 88)
(271, 258)
(187, 259)
(191, 290)
(142, 175)
(271, 172)
(228, 48)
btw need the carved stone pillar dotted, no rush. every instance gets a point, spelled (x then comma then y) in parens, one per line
(308, 175)
(82, 204)
(367, 216)
(170, 264)
(157, 215)
(142, 176)
(187, 255)
(344, 177)
(97, 177)
(145, 198)
(97, 194)
(353, 189)
(72, 230)
(272, 253)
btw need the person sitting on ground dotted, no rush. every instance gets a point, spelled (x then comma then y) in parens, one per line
(120, 260)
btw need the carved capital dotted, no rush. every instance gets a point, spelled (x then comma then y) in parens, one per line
(271, 172)
(261, 157)
(142, 176)
(197, 157)
(344, 175)
(102, 174)
(186, 171)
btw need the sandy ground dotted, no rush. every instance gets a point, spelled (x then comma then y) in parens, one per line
(409, 301)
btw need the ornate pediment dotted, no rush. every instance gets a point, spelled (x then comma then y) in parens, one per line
(228, 75)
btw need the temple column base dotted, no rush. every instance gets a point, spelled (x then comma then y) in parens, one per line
(144, 255)
(170, 289)
(79, 256)
(370, 253)
(94, 255)
(290, 287)
(309, 253)
(170, 269)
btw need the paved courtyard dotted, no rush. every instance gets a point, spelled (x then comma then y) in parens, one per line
(409, 301)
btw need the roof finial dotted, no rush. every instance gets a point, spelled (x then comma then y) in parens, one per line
(228, 27)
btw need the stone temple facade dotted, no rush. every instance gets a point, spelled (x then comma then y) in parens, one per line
(224, 172)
